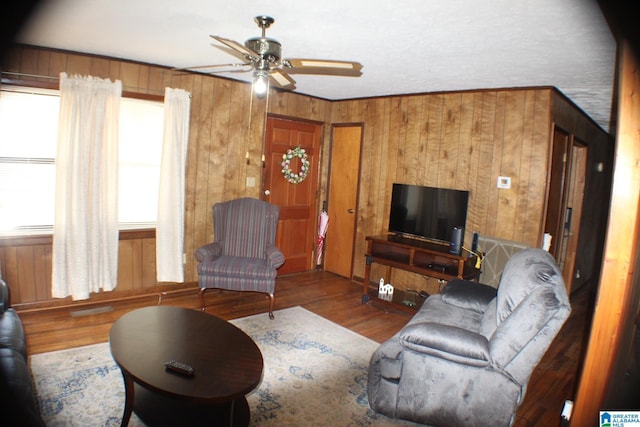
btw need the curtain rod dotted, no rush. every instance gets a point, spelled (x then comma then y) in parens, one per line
(53, 83)
(33, 76)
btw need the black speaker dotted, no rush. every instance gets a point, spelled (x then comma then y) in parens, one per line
(456, 240)
(474, 243)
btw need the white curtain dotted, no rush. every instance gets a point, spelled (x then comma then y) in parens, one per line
(85, 233)
(170, 225)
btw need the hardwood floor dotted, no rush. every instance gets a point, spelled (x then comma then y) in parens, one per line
(336, 299)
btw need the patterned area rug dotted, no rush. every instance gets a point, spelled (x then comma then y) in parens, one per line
(315, 374)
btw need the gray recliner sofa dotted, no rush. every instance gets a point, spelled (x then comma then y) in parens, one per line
(466, 356)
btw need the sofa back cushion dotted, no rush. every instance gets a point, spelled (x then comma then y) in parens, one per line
(524, 272)
(468, 295)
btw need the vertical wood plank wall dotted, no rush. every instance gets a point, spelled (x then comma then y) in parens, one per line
(223, 130)
(462, 140)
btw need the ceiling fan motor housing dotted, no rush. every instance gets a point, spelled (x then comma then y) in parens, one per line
(267, 49)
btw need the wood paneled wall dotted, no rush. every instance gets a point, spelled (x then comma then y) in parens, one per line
(462, 140)
(466, 140)
(226, 125)
(26, 267)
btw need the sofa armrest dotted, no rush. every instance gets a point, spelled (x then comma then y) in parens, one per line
(468, 295)
(5, 302)
(275, 257)
(447, 342)
(208, 252)
(19, 400)
(387, 359)
(12, 332)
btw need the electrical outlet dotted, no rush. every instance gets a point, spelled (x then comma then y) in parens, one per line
(567, 409)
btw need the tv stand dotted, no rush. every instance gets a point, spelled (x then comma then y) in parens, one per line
(429, 258)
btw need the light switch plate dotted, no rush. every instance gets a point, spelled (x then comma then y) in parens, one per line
(504, 182)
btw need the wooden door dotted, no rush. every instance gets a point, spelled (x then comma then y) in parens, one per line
(554, 222)
(564, 200)
(343, 199)
(297, 235)
(573, 212)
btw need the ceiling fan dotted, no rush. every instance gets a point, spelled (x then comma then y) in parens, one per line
(263, 56)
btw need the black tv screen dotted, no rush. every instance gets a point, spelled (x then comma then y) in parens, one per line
(427, 212)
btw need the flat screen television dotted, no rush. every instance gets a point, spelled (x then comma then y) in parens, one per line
(427, 212)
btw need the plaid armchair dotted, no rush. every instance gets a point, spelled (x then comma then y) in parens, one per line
(242, 256)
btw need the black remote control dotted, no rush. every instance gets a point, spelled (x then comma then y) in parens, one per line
(179, 367)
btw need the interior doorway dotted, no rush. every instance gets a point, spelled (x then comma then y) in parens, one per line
(343, 198)
(296, 235)
(565, 199)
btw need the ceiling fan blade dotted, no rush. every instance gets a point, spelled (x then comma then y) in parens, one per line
(323, 66)
(215, 69)
(282, 79)
(231, 67)
(245, 53)
(232, 52)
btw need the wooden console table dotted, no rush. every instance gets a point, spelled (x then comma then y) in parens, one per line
(428, 258)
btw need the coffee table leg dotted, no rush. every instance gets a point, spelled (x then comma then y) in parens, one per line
(128, 398)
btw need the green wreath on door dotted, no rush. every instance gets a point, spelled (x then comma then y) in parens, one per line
(290, 175)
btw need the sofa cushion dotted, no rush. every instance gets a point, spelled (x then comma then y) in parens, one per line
(468, 295)
(229, 266)
(524, 272)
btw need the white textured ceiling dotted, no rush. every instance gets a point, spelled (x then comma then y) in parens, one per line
(406, 46)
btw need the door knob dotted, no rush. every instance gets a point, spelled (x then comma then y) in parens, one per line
(267, 192)
(350, 211)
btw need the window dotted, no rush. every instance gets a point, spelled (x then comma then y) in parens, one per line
(28, 134)
(140, 150)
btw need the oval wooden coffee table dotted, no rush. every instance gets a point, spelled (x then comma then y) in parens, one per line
(227, 366)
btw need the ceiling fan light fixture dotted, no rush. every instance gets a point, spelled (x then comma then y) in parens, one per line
(260, 83)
